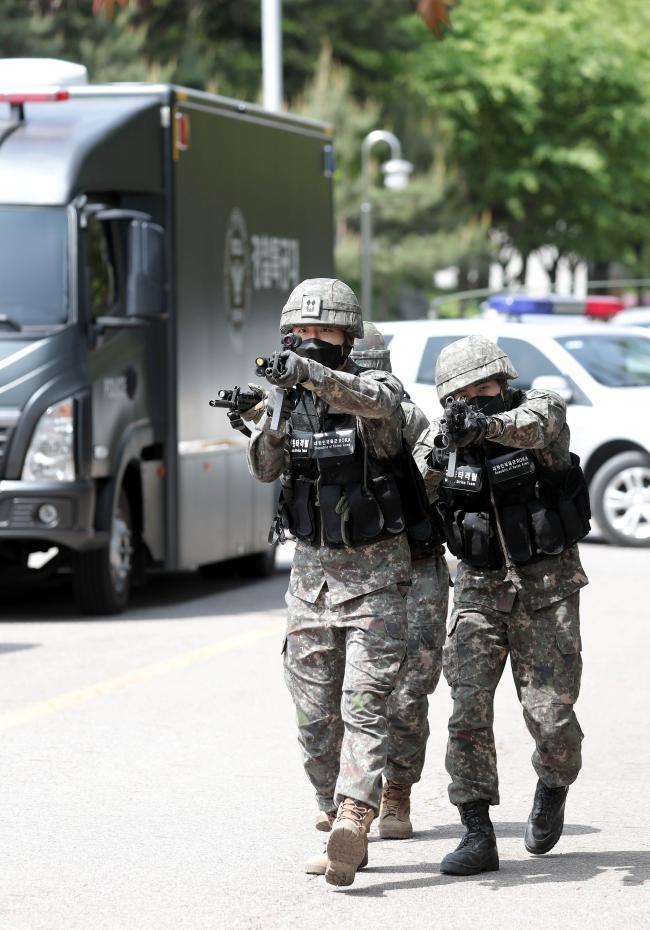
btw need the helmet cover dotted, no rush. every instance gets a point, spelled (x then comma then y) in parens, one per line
(322, 302)
(371, 351)
(469, 360)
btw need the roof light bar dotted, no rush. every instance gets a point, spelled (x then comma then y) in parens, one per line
(34, 95)
(549, 305)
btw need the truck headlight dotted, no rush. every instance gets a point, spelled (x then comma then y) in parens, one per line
(50, 456)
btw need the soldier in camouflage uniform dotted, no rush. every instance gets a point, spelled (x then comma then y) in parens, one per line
(338, 454)
(426, 608)
(514, 507)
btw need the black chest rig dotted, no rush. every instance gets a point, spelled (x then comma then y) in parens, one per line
(336, 493)
(541, 512)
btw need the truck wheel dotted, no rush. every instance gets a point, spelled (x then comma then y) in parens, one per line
(102, 577)
(620, 499)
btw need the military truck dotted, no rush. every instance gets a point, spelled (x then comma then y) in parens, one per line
(150, 235)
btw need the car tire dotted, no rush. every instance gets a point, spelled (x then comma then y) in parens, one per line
(102, 577)
(620, 499)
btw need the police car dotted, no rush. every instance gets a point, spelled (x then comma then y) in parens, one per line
(602, 370)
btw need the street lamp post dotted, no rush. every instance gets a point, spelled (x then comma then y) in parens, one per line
(272, 54)
(396, 173)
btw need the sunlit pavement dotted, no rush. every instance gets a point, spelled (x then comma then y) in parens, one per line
(152, 778)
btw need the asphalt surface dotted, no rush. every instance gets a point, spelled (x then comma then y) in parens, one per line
(152, 780)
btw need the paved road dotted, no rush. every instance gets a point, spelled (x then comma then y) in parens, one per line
(151, 778)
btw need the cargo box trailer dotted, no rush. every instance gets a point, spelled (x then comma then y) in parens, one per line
(150, 235)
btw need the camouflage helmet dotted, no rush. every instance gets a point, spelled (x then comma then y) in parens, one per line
(371, 351)
(320, 302)
(469, 360)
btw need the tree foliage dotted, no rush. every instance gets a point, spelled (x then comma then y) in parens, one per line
(526, 119)
(545, 104)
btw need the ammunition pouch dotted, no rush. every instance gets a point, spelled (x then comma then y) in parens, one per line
(541, 512)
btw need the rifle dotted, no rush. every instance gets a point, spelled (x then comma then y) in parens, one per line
(454, 420)
(264, 365)
(278, 397)
(236, 403)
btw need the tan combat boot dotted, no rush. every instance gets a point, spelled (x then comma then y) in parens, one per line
(394, 820)
(317, 865)
(324, 820)
(347, 846)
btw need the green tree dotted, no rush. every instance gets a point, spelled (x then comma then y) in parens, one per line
(545, 104)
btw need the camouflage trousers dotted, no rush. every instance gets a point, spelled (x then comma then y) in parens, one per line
(408, 706)
(544, 647)
(341, 664)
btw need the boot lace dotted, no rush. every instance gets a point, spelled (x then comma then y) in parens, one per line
(476, 820)
(353, 810)
(394, 797)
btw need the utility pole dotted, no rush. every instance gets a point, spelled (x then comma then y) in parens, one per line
(272, 54)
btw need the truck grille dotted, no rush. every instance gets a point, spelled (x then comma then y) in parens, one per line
(5, 434)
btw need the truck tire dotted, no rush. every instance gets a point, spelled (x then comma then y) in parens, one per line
(102, 577)
(620, 499)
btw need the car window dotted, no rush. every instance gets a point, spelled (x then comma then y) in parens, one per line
(432, 349)
(615, 360)
(529, 361)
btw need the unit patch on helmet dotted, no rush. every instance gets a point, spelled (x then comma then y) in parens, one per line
(311, 307)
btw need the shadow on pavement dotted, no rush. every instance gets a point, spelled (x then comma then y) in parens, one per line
(633, 866)
(452, 831)
(163, 597)
(17, 647)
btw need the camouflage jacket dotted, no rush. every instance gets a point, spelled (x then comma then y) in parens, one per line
(374, 397)
(538, 423)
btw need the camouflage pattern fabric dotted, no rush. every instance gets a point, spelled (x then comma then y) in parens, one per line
(544, 648)
(346, 632)
(467, 361)
(415, 422)
(408, 706)
(341, 664)
(534, 617)
(373, 396)
(537, 423)
(320, 301)
(345, 574)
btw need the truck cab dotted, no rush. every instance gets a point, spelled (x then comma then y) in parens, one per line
(140, 270)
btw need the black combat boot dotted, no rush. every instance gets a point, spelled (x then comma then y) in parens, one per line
(477, 851)
(546, 819)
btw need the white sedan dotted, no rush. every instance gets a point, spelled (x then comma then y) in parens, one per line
(603, 372)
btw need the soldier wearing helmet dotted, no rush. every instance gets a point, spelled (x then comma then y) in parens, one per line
(426, 608)
(514, 504)
(340, 458)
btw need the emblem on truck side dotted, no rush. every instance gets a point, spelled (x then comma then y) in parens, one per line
(236, 266)
(255, 263)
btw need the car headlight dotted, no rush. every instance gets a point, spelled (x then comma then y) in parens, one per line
(50, 456)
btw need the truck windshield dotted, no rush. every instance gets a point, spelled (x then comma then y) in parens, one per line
(615, 360)
(33, 267)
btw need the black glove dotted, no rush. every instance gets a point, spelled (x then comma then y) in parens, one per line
(288, 369)
(472, 432)
(438, 457)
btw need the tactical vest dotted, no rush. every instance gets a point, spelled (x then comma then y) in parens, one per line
(541, 512)
(337, 494)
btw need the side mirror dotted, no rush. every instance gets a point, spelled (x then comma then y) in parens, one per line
(555, 383)
(145, 289)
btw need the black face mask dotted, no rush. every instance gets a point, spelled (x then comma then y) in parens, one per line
(324, 352)
(489, 405)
